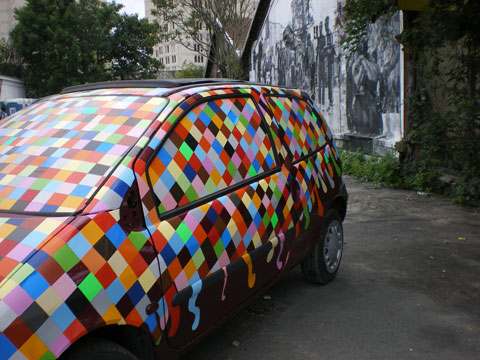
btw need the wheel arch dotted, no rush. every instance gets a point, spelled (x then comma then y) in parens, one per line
(340, 205)
(134, 339)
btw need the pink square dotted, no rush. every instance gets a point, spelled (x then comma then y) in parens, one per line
(18, 300)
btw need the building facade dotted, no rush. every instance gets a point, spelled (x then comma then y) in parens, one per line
(7, 20)
(172, 54)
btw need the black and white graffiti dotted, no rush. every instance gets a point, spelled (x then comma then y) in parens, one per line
(361, 94)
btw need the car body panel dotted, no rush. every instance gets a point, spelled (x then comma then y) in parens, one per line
(132, 251)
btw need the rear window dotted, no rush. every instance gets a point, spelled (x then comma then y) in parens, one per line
(55, 154)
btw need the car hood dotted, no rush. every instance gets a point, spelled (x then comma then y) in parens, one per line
(22, 237)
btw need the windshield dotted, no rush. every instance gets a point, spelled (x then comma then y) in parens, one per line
(56, 153)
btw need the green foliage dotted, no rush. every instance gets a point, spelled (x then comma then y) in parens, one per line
(9, 64)
(132, 44)
(189, 71)
(384, 170)
(356, 15)
(68, 42)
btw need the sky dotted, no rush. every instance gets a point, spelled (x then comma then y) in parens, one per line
(133, 6)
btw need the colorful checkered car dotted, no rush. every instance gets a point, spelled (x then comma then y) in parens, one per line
(136, 216)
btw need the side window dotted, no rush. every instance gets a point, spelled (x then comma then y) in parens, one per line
(215, 145)
(295, 117)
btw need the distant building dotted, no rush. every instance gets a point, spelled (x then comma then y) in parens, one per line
(172, 54)
(7, 21)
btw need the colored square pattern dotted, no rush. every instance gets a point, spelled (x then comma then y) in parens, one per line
(55, 154)
(217, 144)
(301, 132)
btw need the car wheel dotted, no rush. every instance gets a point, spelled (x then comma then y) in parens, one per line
(98, 349)
(321, 266)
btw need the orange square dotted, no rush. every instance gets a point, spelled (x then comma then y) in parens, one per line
(128, 278)
(93, 261)
(33, 348)
(128, 251)
(174, 268)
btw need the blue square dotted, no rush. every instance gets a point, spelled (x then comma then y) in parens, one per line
(63, 317)
(35, 285)
(8, 349)
(34, 238)
(135, 293)
(189, 172)
(116, 235)
(81, 191)
(115, 291)
(37, 259)
(168, 255)
(104, 147)
(79, 245)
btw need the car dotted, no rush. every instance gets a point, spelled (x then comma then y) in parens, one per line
(137, 216)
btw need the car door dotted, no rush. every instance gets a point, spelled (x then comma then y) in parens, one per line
(223, 221)
(303, 138)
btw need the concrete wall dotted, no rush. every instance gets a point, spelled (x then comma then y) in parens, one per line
(360, 96)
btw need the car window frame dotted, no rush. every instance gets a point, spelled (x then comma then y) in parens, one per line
(229, 189)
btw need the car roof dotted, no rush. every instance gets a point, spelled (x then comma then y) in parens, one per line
(168, 84)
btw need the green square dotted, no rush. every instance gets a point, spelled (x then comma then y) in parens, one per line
(90, 110)
(198, 258)
(277, 192)
(99, 127)
(137, 239)
(27, 171)
(114, 138)
(90, 286)
(186, 151)
(209, 112)
(191, 193)
(22, 273)
(280, 104)
(266, 219)
(218, 248)
(184, 232)
(66, 258)
(9, 141)
(232, 169)
(48, 356)
(39, 184)
(251, 171)
(40, 141)
(274, 220)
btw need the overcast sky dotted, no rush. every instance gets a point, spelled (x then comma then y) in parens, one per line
(133, 6)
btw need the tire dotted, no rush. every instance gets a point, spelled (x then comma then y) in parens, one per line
(98, 349)
(321, 266)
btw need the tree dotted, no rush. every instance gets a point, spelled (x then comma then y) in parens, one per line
(68, 42)
(9, 62)
(132, 44)
(189, 71)
(225, 21)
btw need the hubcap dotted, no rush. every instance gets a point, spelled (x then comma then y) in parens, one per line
(333, 246)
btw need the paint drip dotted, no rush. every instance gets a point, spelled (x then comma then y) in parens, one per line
(274, 243)
(224, 283)
(192, 307)
(251, 275)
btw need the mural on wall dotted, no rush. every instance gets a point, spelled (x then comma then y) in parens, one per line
(299, 46)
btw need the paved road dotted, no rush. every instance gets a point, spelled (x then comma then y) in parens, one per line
(408, 288)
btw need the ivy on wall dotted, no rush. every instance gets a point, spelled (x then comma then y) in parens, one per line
(442, 43)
